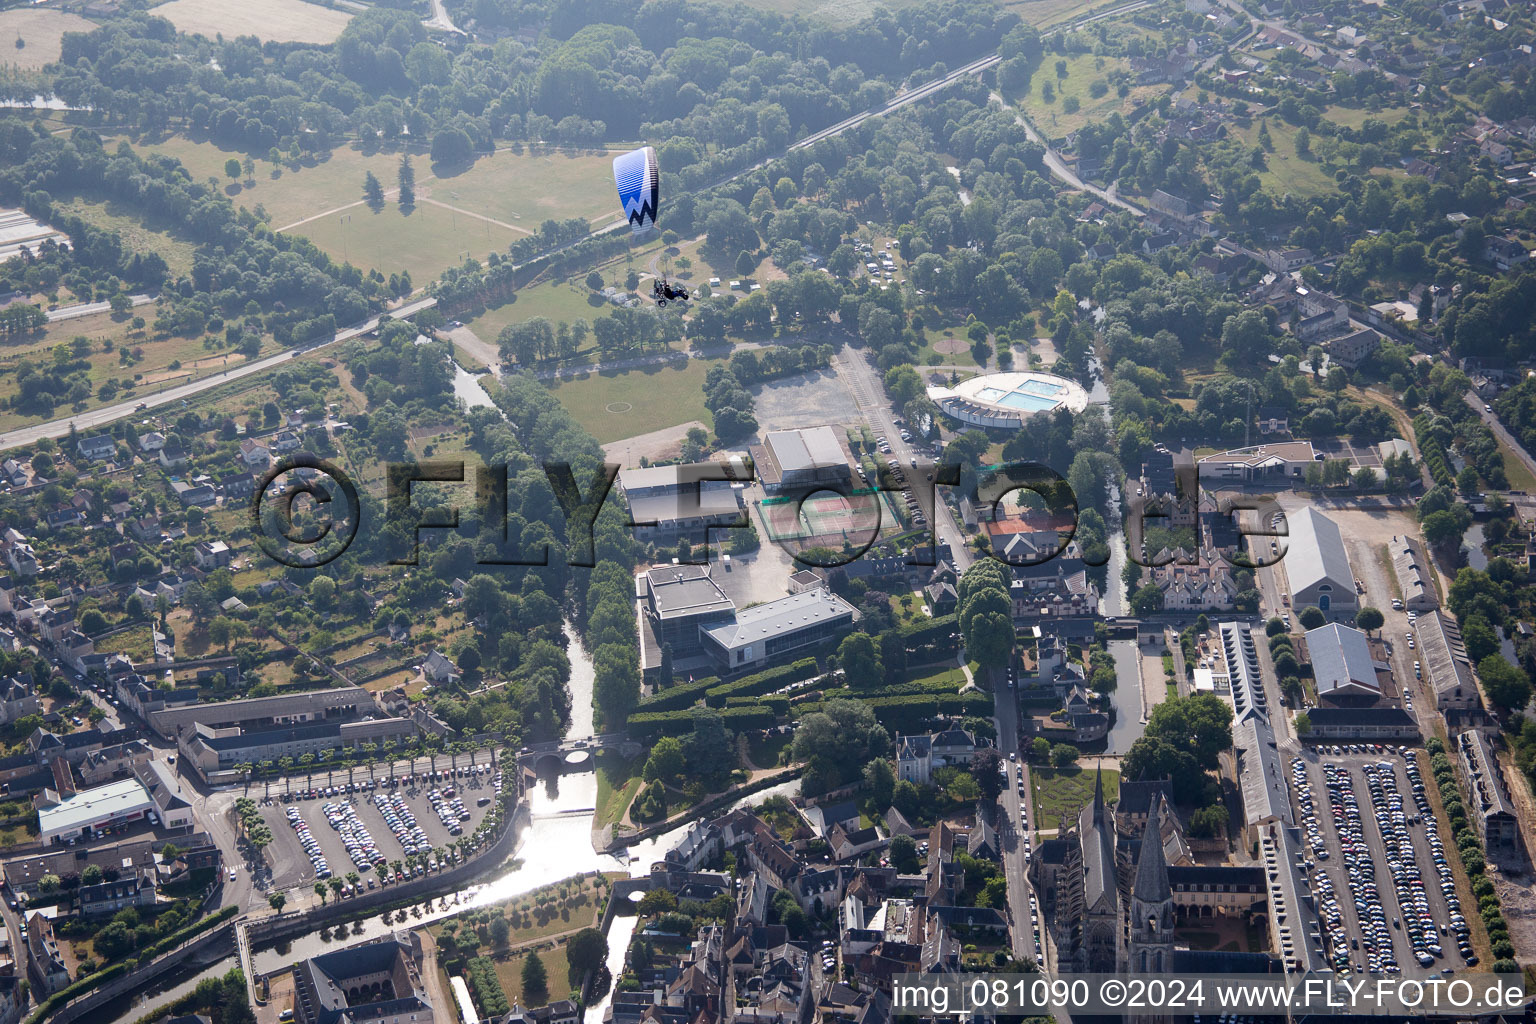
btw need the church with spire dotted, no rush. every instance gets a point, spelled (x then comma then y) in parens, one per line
(1104, 883)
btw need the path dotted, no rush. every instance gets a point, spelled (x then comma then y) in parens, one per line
(472, 343)
(684, 816)
(656, 445)
(107, 413)
(1476, 402)
(477, 216)
(443, 23)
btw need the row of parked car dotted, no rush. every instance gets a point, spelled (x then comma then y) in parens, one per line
(1392, 821)
(310, 844)
(450, 809)
(361, 848)
(1458, 923)
(1360, 869)
(401, 822)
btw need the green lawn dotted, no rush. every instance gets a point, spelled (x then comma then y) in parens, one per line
(1285, 171)
(1355, 117)
(555, 302)
(510, 973)
(527, 189)
(765, 753)
(612, 406)
(1065, 791)
(1082, 71)
(618, 781)
(426, 242)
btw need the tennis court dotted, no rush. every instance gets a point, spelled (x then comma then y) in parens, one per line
(827, 519)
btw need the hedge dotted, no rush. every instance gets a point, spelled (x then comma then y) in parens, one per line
(648, 725)
(80, 987)
(910, 711)
(679, 695)
(489, 995)
(924, 634)
(775, 702)
(761, 683)
(181, 935)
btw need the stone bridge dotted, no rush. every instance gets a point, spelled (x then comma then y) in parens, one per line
(576, 755)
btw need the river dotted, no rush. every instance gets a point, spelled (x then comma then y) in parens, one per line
(556, 845)
(1472, 544)
(1126, 699)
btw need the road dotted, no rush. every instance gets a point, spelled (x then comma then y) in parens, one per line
(1058, 167)
(922, 92)
(868, 392)
(1476, 402)
(108, 413)
(92, 308)
(440, 19)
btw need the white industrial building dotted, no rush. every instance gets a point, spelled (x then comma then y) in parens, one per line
(1317, 566)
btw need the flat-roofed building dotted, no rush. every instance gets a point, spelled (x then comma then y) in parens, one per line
(116, 803)
(666, 502)
(1317, 566)
(1284, 460)
(678, 600)
(801, 461)
(771, 632)
(1342, 665)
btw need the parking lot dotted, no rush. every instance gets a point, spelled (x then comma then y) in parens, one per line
(1379, 870)
(368, 825)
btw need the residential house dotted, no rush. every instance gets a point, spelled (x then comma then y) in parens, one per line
(97, 447)
(173, 455)
(210, 555)
(917, 756)
(1504, 253)
(17, 700)
(438, 668)
(1353, 349)
(191, 494)
(255, 454)
(151, 442)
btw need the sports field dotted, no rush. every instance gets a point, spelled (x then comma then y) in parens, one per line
(39, 33)
(613, 406)
(273, 21)
(527, 189)
(826, 520)
(427, 242)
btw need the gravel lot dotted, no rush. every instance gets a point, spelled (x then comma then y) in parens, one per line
(291, 865)
(804, 400)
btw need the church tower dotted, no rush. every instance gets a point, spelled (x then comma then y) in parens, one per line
(1151, 932)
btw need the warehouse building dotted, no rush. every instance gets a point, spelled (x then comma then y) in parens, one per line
(342, 702)
(1317, 565)
(89, 812)
(667, 502)
(771, 632)
(802, 461)
(1342, 665)
(1488, 797)
(1415, 575)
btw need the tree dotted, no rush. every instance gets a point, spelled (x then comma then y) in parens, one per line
(1200, 724)
(48, 884)
(91, 875)
(276, 901)
(1040, 749)
(860, 660)
(1209, 822)
(1507, 687)
(535, 980)
(1147, 599)
(1312, 617)
(986, 768)
(407, 180)
(232, 168)
(1369, 619)
(666, 761)
(1303, 725)
(880, 783)
(904, 854)
(1063, 754)
(373, 192)
(320, 891)
(587, 950)
(746, 263)
(840, 739)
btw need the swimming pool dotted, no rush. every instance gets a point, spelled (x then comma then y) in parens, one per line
(1043, 388)
(1026, 402)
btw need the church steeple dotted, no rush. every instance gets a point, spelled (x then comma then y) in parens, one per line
(1151, 884)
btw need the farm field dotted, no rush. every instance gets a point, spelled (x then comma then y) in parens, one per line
(272, 21)
(1082, 71)
(618, 405)
(42, 32)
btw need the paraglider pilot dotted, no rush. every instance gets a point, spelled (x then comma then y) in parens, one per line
(662, 290)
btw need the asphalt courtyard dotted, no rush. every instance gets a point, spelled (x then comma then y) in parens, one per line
(291, 865)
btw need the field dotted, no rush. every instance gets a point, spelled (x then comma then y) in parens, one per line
(1285, 171)
(41, 31)
(273, 21)
(426, 242)
(529, 188)
(618, 782)
(553, 301)
(618, 405)
(1044, 13)
(510, 973)
(1082, 71)
(137, 237)
(1354, 117)
(1062, 792)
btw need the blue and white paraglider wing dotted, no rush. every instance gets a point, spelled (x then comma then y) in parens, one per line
(638, 177)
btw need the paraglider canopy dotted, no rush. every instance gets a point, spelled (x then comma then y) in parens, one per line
(638, 178)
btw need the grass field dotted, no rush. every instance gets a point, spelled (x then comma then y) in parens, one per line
(1353, 117)
(425, 243)
(1285, 171)
(656, 397)
(273, 21)
(1043, 13)
(40, 31)
(529, 188)
(618, 782)
(1065, 791)
(137, 237)
(510, 973)
(553, 301)
(1082, 71)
